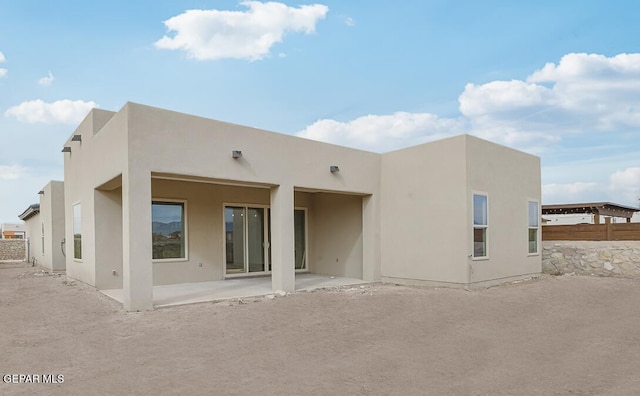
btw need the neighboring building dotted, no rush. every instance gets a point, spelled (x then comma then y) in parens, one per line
(156, 197)
(588, 213)
(45, 225)
(13, 231)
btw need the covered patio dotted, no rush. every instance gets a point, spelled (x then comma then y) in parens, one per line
(197, 292)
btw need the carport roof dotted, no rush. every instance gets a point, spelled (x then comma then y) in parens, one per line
(599, 208)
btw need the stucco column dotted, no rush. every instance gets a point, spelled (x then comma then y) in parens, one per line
(282, 239)
(137, 270)
(370, 238)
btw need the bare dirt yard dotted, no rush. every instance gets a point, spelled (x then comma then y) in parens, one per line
(555, 335)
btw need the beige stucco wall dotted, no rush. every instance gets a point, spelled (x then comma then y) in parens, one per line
(108, 238)
(52, 216)
(424, 212)
(511, 179)
(101, 156)
(427, 211)
(33, 225)
(337, 235)
(50, 219)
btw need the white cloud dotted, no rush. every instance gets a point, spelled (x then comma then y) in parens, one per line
(11, 172)
(47, 80)
(622, 187)
(2, 58)
(349, 22)
(61, 111)
(583, 93)
(384, 132)
(626, 184)
(571, 193)
(250, 34)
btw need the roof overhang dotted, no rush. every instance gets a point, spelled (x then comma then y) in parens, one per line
(31, 211)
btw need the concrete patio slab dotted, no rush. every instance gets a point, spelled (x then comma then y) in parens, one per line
(189, 293)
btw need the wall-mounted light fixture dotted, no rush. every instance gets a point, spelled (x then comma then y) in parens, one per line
(236, 154)
(66, 149)
(40, 192)
(76, 138)
(334, 168)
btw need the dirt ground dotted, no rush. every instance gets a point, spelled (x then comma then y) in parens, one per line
(555, 335)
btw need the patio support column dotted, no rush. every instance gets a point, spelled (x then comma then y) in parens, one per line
(282, 239)
(370, 238)
(137, 270)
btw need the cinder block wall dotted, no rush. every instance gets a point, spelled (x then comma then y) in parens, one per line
(13, 249)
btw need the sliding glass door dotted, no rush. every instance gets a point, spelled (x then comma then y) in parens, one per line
(248, 236)
(244, 236)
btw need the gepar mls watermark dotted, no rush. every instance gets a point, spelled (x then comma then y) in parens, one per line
(33, 378)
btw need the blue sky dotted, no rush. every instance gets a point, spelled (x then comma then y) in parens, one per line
(559, 79)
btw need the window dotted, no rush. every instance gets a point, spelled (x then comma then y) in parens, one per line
(534, 217)
(77, 232)
(42, 238)
(480, 225)
(168, 230)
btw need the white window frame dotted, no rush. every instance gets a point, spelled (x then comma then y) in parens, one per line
(479, 226)
(73, 231)
(185, 213)
(537, 227)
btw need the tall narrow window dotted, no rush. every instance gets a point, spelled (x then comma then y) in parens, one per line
(480, 225)
(168, 230)
(534, 223)
(77, 232)
(42, 238)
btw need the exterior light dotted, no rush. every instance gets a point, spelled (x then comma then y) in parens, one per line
(236, 154)
(66, 149)
(76, 138)
(334, 168)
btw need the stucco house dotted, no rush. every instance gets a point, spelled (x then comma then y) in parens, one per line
(156, 197)
(44, 222)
